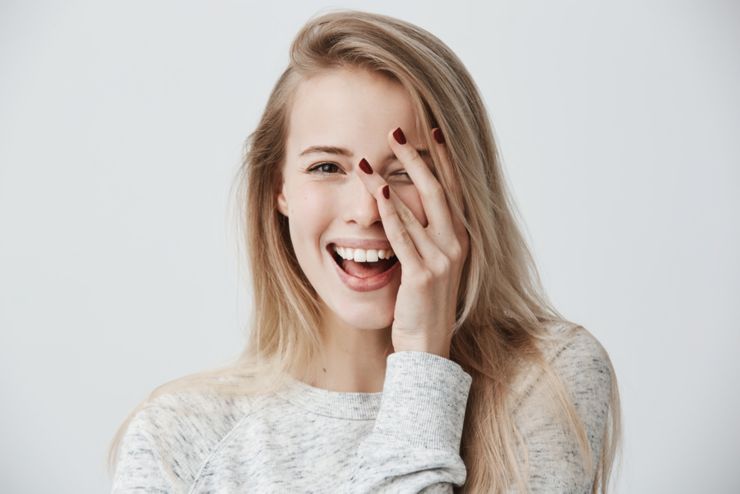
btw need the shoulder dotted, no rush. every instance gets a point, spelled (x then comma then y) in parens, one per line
(575, 355)
(583, 364)
(579, 361)
(169, 438)
(195, 413)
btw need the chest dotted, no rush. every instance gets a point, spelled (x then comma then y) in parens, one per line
(302, 452)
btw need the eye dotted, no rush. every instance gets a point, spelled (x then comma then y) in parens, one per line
(402, 176)
(322, 168)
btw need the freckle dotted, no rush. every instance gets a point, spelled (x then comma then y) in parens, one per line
(323, 369)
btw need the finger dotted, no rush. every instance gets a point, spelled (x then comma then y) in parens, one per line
(393, 207)
(432, 194)
(406, 235)
(399, 222)
(444, 159)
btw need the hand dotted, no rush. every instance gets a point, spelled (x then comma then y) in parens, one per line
(431, 257)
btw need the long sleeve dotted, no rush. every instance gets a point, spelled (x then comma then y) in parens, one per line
(415, 443)
(554, 460)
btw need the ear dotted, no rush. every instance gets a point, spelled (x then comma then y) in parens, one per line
(282, 202)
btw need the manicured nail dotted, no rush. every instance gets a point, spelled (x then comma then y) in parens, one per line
(398, 134)
(365, 166)
(386, 192)
(437, 133)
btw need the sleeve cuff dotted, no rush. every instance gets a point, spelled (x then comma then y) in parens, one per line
(424, 400)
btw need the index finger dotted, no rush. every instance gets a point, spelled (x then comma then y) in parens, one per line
(432, 195)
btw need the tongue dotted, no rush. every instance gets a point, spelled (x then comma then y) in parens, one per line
(366, 269)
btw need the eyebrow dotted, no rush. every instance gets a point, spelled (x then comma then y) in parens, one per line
(346, 152)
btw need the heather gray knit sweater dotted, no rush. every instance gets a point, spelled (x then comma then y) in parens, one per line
(405, 439)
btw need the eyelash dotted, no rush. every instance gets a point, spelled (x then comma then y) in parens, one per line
(318, 166)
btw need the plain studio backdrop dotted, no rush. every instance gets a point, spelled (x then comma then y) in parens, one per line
(122, 125)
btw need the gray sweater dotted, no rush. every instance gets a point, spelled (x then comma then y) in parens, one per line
(405, 439)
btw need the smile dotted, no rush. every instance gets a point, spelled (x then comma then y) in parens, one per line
(364, 276)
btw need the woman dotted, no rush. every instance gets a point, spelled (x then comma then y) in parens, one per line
(400, 339)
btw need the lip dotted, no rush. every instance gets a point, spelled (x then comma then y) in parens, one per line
(364, 284)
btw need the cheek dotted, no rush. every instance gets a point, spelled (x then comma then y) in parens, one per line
(312, 205)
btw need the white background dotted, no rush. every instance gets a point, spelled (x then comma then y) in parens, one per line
(121, 128)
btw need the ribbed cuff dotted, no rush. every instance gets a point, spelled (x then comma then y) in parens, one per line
(424, 400)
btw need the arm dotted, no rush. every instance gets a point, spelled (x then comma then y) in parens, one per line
(415, 443)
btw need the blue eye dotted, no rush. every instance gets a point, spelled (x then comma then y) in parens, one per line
(321, 165)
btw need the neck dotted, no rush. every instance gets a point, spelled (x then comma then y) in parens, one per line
(352, 360)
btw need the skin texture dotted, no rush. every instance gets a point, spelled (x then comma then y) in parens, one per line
(359, 111)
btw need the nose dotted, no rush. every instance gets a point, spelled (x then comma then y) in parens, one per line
(359, 204)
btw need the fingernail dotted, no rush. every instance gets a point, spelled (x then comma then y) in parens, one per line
(398, 134)
(386, 192)
(365, 166)
(437, 133)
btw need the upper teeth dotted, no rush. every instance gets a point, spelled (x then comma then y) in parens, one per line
(363, 255)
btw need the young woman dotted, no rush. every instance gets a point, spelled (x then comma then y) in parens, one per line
(400, 338)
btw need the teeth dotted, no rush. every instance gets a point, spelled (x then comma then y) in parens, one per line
(362, 255)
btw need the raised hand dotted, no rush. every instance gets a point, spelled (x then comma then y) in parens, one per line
(431, 257)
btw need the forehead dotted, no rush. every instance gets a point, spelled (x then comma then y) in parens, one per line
(350, 108)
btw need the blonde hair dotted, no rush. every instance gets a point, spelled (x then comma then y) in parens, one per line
(502, 311)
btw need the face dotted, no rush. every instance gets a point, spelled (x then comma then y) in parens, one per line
(322, 194)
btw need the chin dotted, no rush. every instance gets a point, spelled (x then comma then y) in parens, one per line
(370, 321)
(367, 318)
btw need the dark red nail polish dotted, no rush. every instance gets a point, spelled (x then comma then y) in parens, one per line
(386, 192)
(398, 134)
(437, 133)
(365, 166)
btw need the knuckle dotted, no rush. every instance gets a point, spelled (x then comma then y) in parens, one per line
(405, 215)
(456, 251)
(423, 279)
(404, 238)
(416, 158)
(436, 190)
(443, 265)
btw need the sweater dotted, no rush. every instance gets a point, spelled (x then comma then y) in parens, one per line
(405, 439)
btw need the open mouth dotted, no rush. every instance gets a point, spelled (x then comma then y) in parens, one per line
(362, 269)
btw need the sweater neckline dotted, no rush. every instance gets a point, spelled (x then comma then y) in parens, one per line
(338, 404)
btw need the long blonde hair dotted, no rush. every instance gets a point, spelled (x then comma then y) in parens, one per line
(502, 310)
